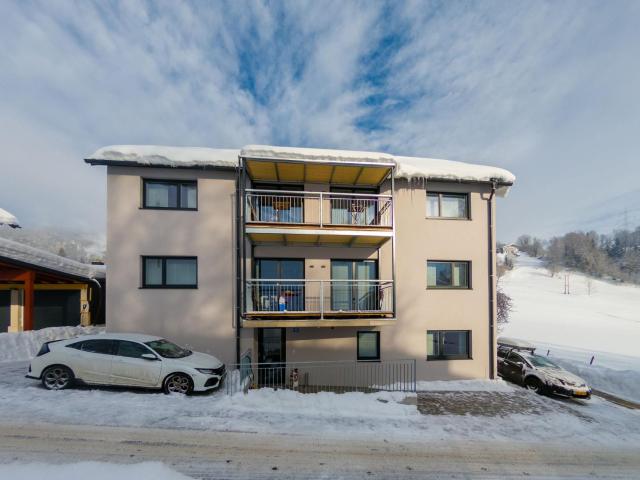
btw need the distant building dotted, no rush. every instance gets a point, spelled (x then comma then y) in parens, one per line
(39, 289)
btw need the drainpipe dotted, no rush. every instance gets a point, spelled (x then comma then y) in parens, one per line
(492, 375)
(238, 259)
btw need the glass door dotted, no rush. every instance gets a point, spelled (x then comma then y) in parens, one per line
(351, 288)
(353, 210)
(272, 357)
(286, 295)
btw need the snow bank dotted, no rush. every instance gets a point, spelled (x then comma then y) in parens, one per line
(25, 345)
(406, 167)
(465, 386)
(168, 156)
(7, 218)
(92, 470)
(41, 258)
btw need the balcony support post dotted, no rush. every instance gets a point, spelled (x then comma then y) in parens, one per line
(321, 208)
(321, 300)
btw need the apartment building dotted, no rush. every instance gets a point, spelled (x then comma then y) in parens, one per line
(293, 254)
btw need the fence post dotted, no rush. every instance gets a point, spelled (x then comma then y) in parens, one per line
(414, 375)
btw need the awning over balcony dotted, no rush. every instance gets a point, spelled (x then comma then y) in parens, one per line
(303, 165)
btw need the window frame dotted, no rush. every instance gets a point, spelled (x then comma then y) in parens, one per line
(440, 195)
(165, 181)
(164, 285)
(116, 349)
(368, 359)
(78, 345)
(468, 356)
(451, 287)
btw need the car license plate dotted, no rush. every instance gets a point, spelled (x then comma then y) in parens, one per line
(581, 393)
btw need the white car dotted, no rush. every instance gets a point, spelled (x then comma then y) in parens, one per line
(126, 359)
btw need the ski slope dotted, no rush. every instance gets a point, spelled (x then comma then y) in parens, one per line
(598, 319)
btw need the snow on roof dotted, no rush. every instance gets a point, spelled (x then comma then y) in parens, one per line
(167, 156)
(406, 167)
(7, 218)
(43, 259)
(314, 154)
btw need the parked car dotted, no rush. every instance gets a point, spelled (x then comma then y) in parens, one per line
(131, 360)
(518, 363)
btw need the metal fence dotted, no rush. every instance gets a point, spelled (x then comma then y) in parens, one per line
(318, 208)
(313, 377)
(319, 296)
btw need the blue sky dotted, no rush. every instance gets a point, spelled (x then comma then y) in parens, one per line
(547, 90)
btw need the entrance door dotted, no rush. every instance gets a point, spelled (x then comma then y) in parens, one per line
(351, 288)
(287, 294)
(272, 357)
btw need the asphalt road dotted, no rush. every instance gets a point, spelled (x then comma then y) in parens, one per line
(235, 455)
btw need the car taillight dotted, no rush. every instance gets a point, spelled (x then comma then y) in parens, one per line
(43, 349)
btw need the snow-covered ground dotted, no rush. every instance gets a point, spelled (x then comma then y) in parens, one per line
(597, 319)
(392, 416)
(93, 470)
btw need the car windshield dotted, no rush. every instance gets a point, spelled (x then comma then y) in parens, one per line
(538, 361)
(166, 349)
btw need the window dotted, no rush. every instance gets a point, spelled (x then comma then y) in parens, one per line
(170, 194)
(445, 274)
(447, 205)
(448, 344)
(169, 272)
(97, 346)
(368, 346)
(132, 349)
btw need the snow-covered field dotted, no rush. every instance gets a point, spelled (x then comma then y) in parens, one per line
(597, 319)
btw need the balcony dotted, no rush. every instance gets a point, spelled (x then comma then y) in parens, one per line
(277, 216)
(320, 302)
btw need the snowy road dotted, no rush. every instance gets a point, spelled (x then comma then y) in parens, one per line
(237, 455)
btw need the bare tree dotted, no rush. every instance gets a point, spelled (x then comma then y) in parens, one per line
(504, 307)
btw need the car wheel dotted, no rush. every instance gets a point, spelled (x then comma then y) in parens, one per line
(178, 383)
(533, 384)
(57, 377)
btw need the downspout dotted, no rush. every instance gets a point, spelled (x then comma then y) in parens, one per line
(238, 263)
(492, 374)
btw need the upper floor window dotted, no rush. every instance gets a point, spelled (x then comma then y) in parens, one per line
(447, 205)
(169, 272)
(170, 194)
(446, 274)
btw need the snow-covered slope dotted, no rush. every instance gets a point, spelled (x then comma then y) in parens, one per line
(597, 319)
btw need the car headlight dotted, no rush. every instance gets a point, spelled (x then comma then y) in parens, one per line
(206, 371)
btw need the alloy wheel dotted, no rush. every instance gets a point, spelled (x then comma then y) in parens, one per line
(57, 378)
(178, 384)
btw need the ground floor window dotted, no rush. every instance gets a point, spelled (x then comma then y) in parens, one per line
(448, 344)
(368, 346)
(169, 272)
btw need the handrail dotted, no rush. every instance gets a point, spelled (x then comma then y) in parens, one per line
(291, 280)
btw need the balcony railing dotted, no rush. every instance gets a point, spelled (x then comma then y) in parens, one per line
(319, 208)
(319, 297)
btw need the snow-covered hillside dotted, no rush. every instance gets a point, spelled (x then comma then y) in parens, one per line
(598, 318)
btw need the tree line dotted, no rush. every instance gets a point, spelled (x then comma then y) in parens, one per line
(615, 256)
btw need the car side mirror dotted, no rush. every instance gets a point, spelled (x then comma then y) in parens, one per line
(149, 356)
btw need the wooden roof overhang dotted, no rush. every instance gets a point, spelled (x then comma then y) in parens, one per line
(356, 173)
(12, 271)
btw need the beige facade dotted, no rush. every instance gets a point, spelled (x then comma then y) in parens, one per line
(204, 318)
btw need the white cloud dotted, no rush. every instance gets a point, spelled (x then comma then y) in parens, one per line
(546, 89)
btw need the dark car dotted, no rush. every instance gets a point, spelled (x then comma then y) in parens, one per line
(518, 363)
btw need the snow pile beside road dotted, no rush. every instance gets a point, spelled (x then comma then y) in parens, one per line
(25, 345)
(465, 386)
(92, 470)
(7, 218)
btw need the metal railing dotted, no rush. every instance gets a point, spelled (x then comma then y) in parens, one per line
(318, 208)
(320, 297)
(313, 377)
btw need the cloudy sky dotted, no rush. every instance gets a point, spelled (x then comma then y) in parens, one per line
(550, 91)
